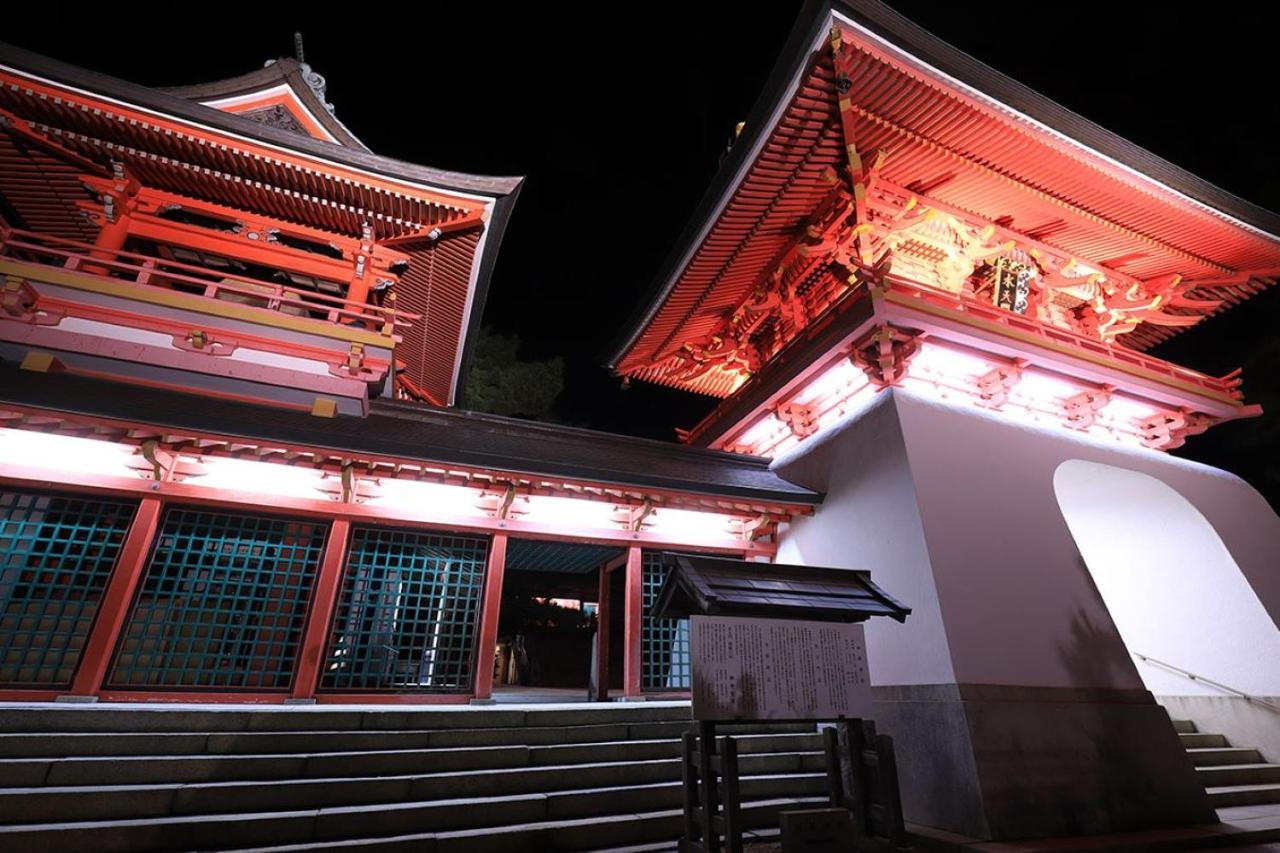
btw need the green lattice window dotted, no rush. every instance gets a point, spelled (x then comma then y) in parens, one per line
(407, 617)
(56, 555)
(223, 602)
(664, 643)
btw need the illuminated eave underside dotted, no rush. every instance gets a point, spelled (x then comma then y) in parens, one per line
(890, 333)
(944, 141)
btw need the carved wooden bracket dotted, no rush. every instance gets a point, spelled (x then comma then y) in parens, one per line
(884, 354)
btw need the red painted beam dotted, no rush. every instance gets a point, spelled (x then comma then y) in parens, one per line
(306, 677)
(489, 615)
(632, 613)
(113, 608)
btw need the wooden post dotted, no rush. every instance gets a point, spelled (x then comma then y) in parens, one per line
(632, 614)
(489, 615)
(113, 608)
(306, 678)
(602, 636)
(732, 795)
(709, 780)
(114, 232)
(689, 779)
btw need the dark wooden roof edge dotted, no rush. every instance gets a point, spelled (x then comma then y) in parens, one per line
(180, 107)
(795, 58)
(686, 577)
(283, 70)
(496, 229)
(792, 61)
(421, 434)
(419, 411)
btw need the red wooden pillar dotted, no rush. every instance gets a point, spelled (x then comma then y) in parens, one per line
(115, 230)
(306, 678)
(631, 617)
(113, 608)
(602, 636)
(489, 616)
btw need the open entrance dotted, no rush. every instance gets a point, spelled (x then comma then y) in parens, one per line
(549, 620)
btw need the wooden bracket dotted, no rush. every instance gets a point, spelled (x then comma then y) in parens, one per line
(1081, 410)
(639, 514)
(798, 418)
(1170, 430)
(884, 353)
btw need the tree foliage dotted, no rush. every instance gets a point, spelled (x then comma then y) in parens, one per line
(501, 383)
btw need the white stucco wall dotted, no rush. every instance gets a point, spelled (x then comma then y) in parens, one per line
(954, 511)
(1170, 584)
(869, 520)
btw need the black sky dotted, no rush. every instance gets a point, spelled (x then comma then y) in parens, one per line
(618, 114)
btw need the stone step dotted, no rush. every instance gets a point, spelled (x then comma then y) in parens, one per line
(577, 820)
(1202, 740)
(69, 744)
(1184, 726)
(644, 831)
(1224, 755)
(1243, 795)
(119, 802)
(23, 718)
(1239, 774)
(141, 770)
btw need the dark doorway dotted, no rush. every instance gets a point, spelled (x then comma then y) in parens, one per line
(548, 620)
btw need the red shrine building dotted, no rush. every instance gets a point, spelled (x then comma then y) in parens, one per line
(233, 467)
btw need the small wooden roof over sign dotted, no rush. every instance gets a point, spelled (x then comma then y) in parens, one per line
(699, 585)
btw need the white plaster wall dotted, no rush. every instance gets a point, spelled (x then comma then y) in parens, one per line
(1020, 606)
(1169, 582)
(953, 510)
(869, 520)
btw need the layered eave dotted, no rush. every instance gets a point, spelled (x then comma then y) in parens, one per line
(62, 122)
(935, 125)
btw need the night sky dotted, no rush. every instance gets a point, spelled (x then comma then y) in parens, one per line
(618, 115)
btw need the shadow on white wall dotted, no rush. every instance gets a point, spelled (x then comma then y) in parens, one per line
(1171, 586)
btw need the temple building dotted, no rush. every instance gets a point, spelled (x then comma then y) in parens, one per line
(234, 467)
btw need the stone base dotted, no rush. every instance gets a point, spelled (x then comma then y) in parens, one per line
(1000, 763)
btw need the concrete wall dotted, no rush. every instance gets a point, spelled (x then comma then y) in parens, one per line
(1010, 685)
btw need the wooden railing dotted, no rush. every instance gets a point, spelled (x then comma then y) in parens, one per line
(152, 272)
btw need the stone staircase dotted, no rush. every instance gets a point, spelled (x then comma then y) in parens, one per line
(1233, 775)
(469, 779)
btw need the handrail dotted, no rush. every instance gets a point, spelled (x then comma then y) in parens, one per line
(76, 255)
(1200, 679)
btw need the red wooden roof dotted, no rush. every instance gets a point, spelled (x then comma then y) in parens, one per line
(955, 131)
(62, 121)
